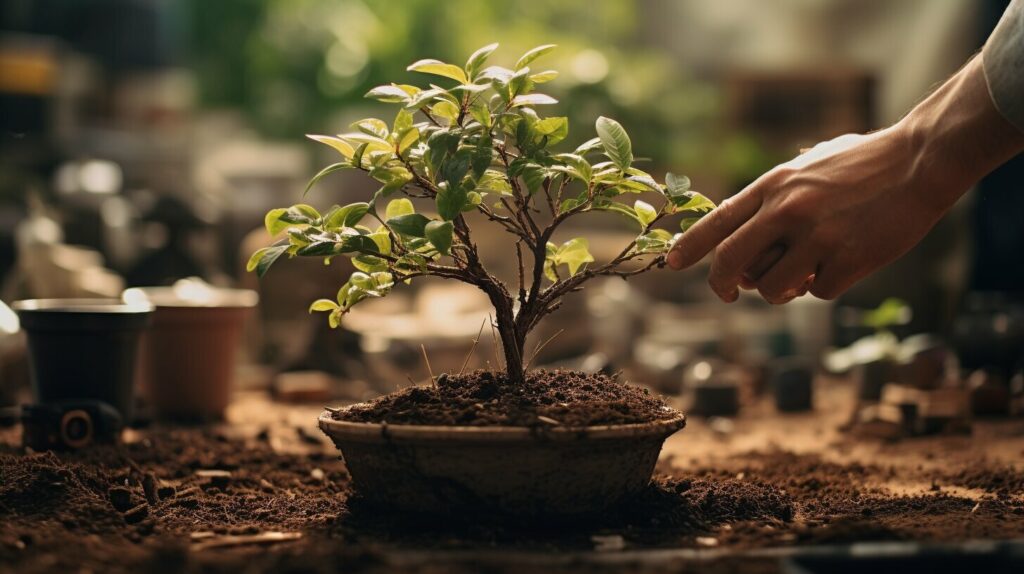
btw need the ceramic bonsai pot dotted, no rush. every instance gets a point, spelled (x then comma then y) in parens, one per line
(517, 471)
(83, 349)
(188, 355)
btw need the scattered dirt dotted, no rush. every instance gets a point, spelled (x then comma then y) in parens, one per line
(194, 500)
(482, 398)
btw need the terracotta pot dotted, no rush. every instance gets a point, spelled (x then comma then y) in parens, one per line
(188, 356)
(83, 349)
(518, 471)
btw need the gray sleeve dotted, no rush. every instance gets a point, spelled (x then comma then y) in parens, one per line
(1003, 58)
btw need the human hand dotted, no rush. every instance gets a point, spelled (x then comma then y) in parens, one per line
(835, 214)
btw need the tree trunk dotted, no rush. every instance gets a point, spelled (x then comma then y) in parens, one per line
(512, 341)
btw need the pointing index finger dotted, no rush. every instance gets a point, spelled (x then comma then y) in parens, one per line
(714, 228)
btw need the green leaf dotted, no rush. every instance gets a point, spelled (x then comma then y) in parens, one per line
(439, 233)
(676, 184)
(692, 201)
(373, 127)
(439, 68)
(347, 216)
(391, 94)
(369, 263)
(478, 58)
(578, 166)
(534, 54)
(343, 147)
(533, 100)
(654, 241)
(323, 305)
(445, 109)
(382, 239)
(277, 220)
(616, 142)
(481, 113)
(555, 129)
(324, 172)
(398, 207)
(645, 212)
(542, 77)
(687, 222)
(451, 200)
(264, 258)
(403, 121)
(619, 208)
(407, 138)
(575, 253)
(411, 224)
(272, 221)
(373, 142)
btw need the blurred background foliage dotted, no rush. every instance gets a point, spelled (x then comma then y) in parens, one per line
(291, 65)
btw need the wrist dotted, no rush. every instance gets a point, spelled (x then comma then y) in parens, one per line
(956, 136)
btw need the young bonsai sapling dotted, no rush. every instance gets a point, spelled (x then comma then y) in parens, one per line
(480, 145)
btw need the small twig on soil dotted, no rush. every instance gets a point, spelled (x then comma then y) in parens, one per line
(540, 348)
(204, 540)
(408, 377)
(430, 371)
(473, 348)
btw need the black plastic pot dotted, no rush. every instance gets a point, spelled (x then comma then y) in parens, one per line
(83, 349)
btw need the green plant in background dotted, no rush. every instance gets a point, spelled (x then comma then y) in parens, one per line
(892, 312)
(480, 145)
(294, 66)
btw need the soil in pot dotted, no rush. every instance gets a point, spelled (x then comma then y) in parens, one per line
(561, 443)
(484, 398)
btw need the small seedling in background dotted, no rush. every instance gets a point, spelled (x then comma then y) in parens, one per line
(479, 144)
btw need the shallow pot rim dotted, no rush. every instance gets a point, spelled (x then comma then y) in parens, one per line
(385, 433)
(165, 298)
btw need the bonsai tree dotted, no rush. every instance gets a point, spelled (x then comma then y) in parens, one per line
(477, 143)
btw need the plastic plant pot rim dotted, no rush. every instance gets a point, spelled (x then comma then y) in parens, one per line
(164, 297)
(82, 306)
(381, 433)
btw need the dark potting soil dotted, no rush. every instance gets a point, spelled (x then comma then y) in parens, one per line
(184, 500)
(485, 398)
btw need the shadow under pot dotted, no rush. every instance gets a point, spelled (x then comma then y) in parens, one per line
(189, 353)
(83, 349)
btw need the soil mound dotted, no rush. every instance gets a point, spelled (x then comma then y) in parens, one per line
(485, 398)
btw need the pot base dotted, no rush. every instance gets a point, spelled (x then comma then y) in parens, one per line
(517, 471)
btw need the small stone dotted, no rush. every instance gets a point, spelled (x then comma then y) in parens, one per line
(137, 514)
(120, 498)
(707, 541)
(317, 474)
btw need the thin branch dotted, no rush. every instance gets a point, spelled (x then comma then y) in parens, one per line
(522, 271)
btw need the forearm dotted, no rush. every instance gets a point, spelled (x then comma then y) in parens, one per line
(958, 136)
